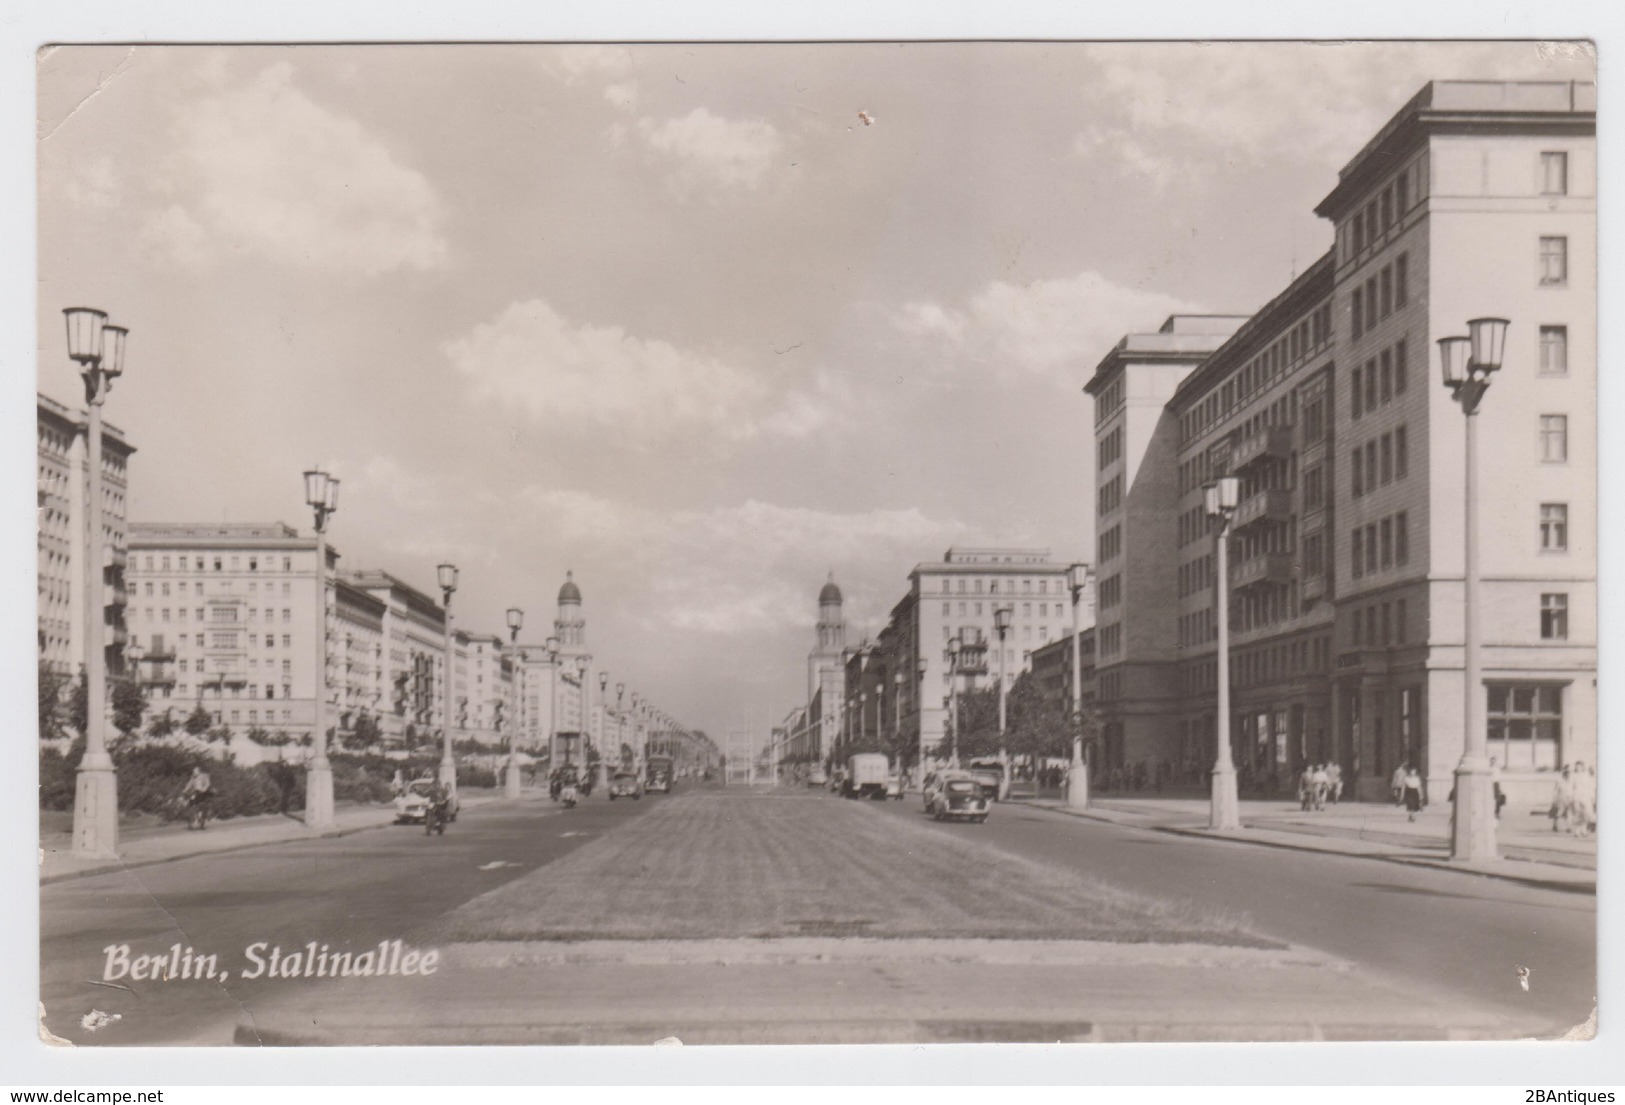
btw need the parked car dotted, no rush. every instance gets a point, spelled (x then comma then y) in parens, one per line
(991, 777)
(625, 784)
(957, 796)
(412, 804)
(817, 778)
(866, 775)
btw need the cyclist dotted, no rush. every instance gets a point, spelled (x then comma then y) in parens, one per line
(196, 796)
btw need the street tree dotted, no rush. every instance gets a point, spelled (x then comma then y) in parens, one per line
(199, 721)
(53, 687)
(162, 725)
(129, 706)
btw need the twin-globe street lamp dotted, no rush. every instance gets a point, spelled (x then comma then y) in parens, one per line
(322, 496)
(955, 646)
(1468, 364)
(98, 350)
(1002, 616)
(447, 574)
(514, 784)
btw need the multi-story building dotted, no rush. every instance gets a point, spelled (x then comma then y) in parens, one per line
(560, 706)
(1477, 199)
(63, 526)
(826, 677)
(413, 634)
(1051, 668)
(226, 614)
(955, 598)
(356, 657)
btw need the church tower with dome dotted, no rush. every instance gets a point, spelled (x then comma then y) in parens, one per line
(826, 668)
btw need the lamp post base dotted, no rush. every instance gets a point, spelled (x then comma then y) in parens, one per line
(1225, 815)
(1472, 830)
(319, 795)
(1077, 786)
(95, 812)
(514, 782)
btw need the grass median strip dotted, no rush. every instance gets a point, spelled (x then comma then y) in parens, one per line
(725, 865)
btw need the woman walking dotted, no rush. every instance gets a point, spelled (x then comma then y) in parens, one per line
(1413, 793)
(1562, 800)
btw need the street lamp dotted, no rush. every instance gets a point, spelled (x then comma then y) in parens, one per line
(1077, 787)
(954, 648)
(920, 666)
(515, 784)
(1001, 625)
(447, 574)
(322, 496)
(1468, 364)
(1220, 499)
(98, 350)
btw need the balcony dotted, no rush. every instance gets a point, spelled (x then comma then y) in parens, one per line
(1274, 505)
(1314, 588)
(1270, 442)
(1270, 568)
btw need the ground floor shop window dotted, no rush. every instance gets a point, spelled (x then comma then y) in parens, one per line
(1525, 724)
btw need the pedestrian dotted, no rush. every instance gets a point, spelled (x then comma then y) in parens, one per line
(1583, 801)
(1319, 783)
(1396, 785)
(1334, 780)
(1562, 800)
(1495, 786)
(1414, 798)
(1306, 783)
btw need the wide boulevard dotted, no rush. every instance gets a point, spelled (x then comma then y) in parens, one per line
(719, 915)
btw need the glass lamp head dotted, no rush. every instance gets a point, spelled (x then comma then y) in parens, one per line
(316, 482)
(1488, 337)
(516, 618)
(85, 326)
(113, 350)
(1453, 358)
(447, 574)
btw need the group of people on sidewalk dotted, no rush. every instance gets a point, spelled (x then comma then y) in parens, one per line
(1574, 800)
(1318, 783)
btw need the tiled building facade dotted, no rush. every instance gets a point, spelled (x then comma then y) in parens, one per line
(1477, 199)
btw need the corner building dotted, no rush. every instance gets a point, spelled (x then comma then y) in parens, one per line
(1477, 199)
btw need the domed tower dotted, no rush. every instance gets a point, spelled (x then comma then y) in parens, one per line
(826, 667)
(570, 627)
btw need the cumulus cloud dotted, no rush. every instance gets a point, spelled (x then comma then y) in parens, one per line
(265, 169)
(1052, 328)
(1161, 108)
(583, 377)
(710, 150)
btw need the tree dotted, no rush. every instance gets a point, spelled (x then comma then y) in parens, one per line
(199, 721)
(366, 732)
(978, 723)
(79, 705)
(52, 686)
(162, 725)
(258, 735)
(129, 706)
(1038, 726)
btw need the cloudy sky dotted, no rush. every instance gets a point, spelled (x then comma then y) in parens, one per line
(703, 323)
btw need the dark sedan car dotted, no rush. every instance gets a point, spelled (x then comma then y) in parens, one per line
(957, 797)
(625, 784)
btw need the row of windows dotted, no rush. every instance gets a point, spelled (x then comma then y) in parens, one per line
(1196, 575)
(1193, 524)
(1026, 609)
(197, 588)
(1197, 628)
(1379, 624)
(1111, 398)
(1111, 644)
(1382, 461)
(1381, 212)
(185, 665)
(1262, 372)
(975, 586)
(1109, 449)
(1380, 545)
(1380, 379)
(1270, 663)
(1110, 592)
(1381, 295)
(180, 562)
(221, 614)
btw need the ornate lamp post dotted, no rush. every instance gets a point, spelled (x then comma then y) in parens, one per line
(897, 715)
(620, 724)
(1077, 787)
(920, 667)
(1220, 500)
(1468, 365)
(447, 574)
(322, 496)
(515, 783)
(954, 648)
(98, 350)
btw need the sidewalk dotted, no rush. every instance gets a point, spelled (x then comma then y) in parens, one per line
(175, 841)
(1530, 852)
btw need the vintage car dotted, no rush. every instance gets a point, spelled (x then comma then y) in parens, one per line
(956, 795)
(411, 803)
(990, 774)
(817, 778)
(625, 784)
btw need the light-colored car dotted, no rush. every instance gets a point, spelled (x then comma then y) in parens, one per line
(625, 784)
(411, 804)
(956, 796)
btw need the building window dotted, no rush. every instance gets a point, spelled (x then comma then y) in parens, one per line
(1357, 301)
(1399, 622)
(1387, 284)
(1525, 723)
(1387, 530)
(1554, 617)
(1401, 453)
(1402, 284)
(1554, 261)
(1371, 549)
(1554, 438)
(1354, 393)
(1554, 527)
(1357, 553)
(1554, 173)
(1386, 389)
(1357, 473)
(1402, 544)
(1399, 367)
(1387, 459)
(1554, 350)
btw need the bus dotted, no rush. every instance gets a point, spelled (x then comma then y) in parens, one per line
(657, 775)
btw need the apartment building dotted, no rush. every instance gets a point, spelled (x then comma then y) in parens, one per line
(1477, 199)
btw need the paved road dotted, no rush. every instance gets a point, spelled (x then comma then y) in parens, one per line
(360, 889)
(1455, 934)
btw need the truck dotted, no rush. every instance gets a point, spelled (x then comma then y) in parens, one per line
(866, 776)
(657, 775)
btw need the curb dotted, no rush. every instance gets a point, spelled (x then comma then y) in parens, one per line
(1419, 861)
